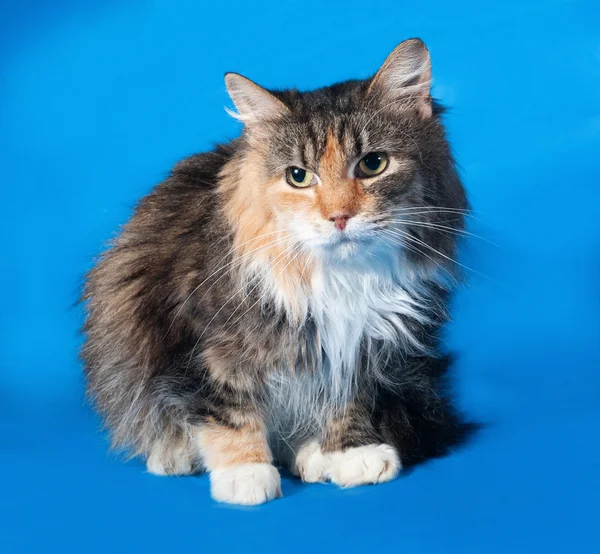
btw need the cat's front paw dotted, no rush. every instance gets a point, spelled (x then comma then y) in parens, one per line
(311, 464)
(247, 484)
(375, 463)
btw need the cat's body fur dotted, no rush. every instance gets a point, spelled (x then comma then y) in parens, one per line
(214, 344)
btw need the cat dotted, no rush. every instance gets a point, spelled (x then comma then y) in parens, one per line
(278, 299)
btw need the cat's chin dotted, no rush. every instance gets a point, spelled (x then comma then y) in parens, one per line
(364, 256)
(345, 248)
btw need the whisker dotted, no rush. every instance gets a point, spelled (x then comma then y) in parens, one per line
(240, 261)
(416, 250)
(449, 208)
(216, 271)
(239, 291)
(452, 230)
(414, 239)
(309, 259)
(270, 267)
(264, 293)
(191, 355)
(424, 210)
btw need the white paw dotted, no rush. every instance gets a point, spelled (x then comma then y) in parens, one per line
(247, 484)
(374, 463)
(311, 464)
(170, 459)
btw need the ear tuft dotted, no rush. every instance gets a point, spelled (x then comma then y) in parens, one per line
(406, 76)
(253, 103)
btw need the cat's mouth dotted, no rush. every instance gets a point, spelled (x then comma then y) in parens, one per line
(344, 238)
(347, 242)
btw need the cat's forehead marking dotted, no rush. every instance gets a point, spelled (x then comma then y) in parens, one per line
(332, 165)
(339, 193)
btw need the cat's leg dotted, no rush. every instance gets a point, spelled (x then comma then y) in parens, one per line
(236, 454)
(172, 456)
(358, 455)
(232, 437)
(239, 460)
(349, 453)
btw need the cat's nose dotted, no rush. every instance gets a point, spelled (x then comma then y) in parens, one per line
(340, 220)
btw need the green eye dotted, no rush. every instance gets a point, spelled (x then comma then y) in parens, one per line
(299, 178)
(372, 164)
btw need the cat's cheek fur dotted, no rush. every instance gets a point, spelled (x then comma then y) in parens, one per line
(246, 484)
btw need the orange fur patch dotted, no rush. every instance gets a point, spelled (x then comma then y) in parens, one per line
(243, 182)
(222, 447)
(339, 193)
(249, 197)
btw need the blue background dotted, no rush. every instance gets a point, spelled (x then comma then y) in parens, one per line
(99, 98)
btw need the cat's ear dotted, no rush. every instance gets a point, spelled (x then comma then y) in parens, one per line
(406, 75)
(254, 104)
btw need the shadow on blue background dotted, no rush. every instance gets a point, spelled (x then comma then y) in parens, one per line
(99, 99)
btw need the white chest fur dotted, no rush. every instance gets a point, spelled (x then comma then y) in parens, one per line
(349, 307)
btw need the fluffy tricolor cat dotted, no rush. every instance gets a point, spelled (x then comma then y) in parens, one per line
(276, 301)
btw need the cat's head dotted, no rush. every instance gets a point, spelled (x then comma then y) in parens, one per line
(345, 169)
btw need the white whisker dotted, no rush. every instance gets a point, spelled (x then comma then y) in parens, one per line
(221, 268)
(238, 262)
(264, 293)
(416, 250)
(405, 235)
(437, 226)
(290, 249)
(241, 290)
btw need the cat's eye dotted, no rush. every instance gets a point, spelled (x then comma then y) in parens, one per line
(371, 165)
(300, 178)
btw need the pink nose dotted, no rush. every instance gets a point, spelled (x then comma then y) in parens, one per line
(340, 220)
